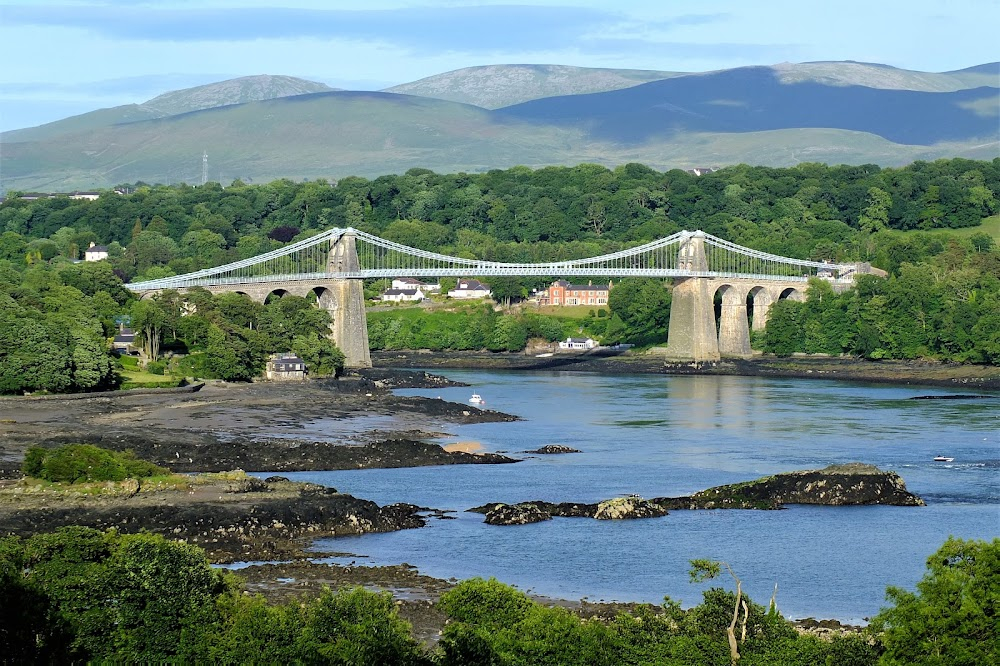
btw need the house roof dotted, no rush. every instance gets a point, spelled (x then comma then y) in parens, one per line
(400, 292)
(408, 281)
(472, 285)
(97, 248)
(580, 287)
(286, 359)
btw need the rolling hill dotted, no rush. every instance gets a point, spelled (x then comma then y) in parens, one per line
(496, 86)
(232, 91)
(747, 115)
(754, 99)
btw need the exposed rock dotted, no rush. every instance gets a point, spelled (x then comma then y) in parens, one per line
(554, 448)
(250, 525)
(626, 508)
(836, 485)
(516, 514)
(251, 484)
(535, 511)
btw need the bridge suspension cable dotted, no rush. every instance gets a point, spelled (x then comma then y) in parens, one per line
(310, 259)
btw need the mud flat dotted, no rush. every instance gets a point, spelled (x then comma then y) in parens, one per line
(351, 423)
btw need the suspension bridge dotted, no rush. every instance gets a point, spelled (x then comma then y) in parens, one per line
(333, 265)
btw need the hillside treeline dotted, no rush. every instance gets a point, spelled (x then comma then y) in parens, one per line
(56, 321)
(80, 595)
(807, 211)
(898, 219)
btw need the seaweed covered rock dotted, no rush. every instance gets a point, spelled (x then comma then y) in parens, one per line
(516, 514)
(836, 485)
(551, 449)
(627, 508)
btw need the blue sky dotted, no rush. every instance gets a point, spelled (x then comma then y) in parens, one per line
(62, 57)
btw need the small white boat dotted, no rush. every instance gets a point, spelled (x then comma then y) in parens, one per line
(476, 399)
(943, 459)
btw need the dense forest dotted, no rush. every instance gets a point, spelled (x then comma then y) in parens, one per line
(941, 300)
(81, 595)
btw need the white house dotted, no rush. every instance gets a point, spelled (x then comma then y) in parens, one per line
(578, 343)
(400, 295)
(470, 289)
(410, 283)
(95, 253)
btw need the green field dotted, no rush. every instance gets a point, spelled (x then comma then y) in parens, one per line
(990, 225)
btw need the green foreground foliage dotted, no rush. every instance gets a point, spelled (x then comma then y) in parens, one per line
(83, 595)
(76, 463)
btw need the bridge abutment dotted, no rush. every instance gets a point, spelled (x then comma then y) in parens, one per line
(691, 333)
(349, 322)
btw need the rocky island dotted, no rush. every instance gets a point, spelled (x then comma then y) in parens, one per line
(836, 485)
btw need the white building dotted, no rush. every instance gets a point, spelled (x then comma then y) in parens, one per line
(470, 289)
(400, 295)
(95, 253)
(410, 283)
(578, 343)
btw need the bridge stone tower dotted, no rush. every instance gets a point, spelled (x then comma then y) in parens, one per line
(691, 335)
(347, 305)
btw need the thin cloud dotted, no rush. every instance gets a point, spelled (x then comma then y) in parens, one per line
(468, 29)
(720, 52)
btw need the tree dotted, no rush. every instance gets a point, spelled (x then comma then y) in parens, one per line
(148, 320)
(708, 569)
(982, 242)
(230, 356)
(357, 627)
(643, 305)
(784, 334)
(321, 355)
(952, 617)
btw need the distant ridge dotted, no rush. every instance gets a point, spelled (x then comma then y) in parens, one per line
(776, 116)
(496, 86)
(755, 99)
(233, 91)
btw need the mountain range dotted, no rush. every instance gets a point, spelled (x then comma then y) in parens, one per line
(265, 127)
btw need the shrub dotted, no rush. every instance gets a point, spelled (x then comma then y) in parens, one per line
(156, 367)
(84, 462)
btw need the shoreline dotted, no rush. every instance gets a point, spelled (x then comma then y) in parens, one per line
(601, 361)
(362, 410)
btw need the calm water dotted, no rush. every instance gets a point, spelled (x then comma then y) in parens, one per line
(658, 435)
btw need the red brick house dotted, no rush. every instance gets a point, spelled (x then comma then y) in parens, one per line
(563, 293)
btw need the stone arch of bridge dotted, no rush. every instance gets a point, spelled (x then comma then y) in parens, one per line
(734, 324)
(276, 294)
(791, 293)
(759, 301)
(325, 298)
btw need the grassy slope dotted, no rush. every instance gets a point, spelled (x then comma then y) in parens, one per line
(332, 135)
(990, 225)
(232, 91)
